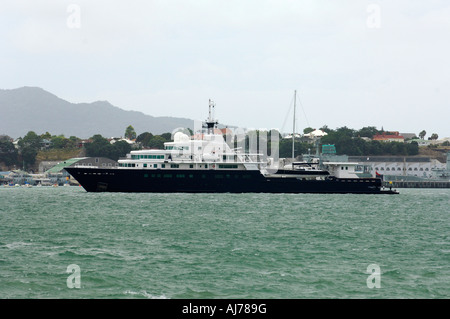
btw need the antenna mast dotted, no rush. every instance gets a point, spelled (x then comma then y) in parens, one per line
(293, 127)
(211, 122)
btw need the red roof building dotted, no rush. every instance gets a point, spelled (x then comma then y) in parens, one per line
(389, 137)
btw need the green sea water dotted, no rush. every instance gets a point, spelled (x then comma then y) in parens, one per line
(283, 246)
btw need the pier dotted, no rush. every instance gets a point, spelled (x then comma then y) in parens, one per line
(417, 184)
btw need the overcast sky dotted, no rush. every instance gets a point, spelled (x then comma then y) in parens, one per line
(354, 63)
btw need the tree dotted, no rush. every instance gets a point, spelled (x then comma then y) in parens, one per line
(434, 136)
(368, 131)
(412, 148)
(157, 142)
(374, 148)
(59, 141)
(285, 148)
(326, 129)
(398, 148)
(29, 156)
(119, 149)
(29, 146)
(130, 133)
(144, 138)
(46, 136)
(342, 138)
(100, 147)
(308, 130)
(167, 136)
(73, 142)
(346, 131)
(31, 140)
(8, 153)
(422, 134)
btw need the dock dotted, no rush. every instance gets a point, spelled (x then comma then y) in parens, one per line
(417, 184)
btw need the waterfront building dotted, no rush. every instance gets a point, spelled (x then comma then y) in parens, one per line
(400, 166)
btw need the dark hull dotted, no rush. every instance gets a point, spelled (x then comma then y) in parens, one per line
(213, 181)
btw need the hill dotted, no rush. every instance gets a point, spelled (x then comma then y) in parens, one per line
(34, 109)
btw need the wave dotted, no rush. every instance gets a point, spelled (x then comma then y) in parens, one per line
(144, 294)
(17, 244)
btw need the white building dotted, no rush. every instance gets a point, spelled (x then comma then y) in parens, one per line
(412, 166)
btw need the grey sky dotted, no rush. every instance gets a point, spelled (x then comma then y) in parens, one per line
(354, 63)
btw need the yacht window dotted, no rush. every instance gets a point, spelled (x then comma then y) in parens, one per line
(228, 166)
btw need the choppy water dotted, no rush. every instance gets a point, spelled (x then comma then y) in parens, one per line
(223, 245)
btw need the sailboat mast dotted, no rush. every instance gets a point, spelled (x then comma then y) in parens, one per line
(293, 126)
